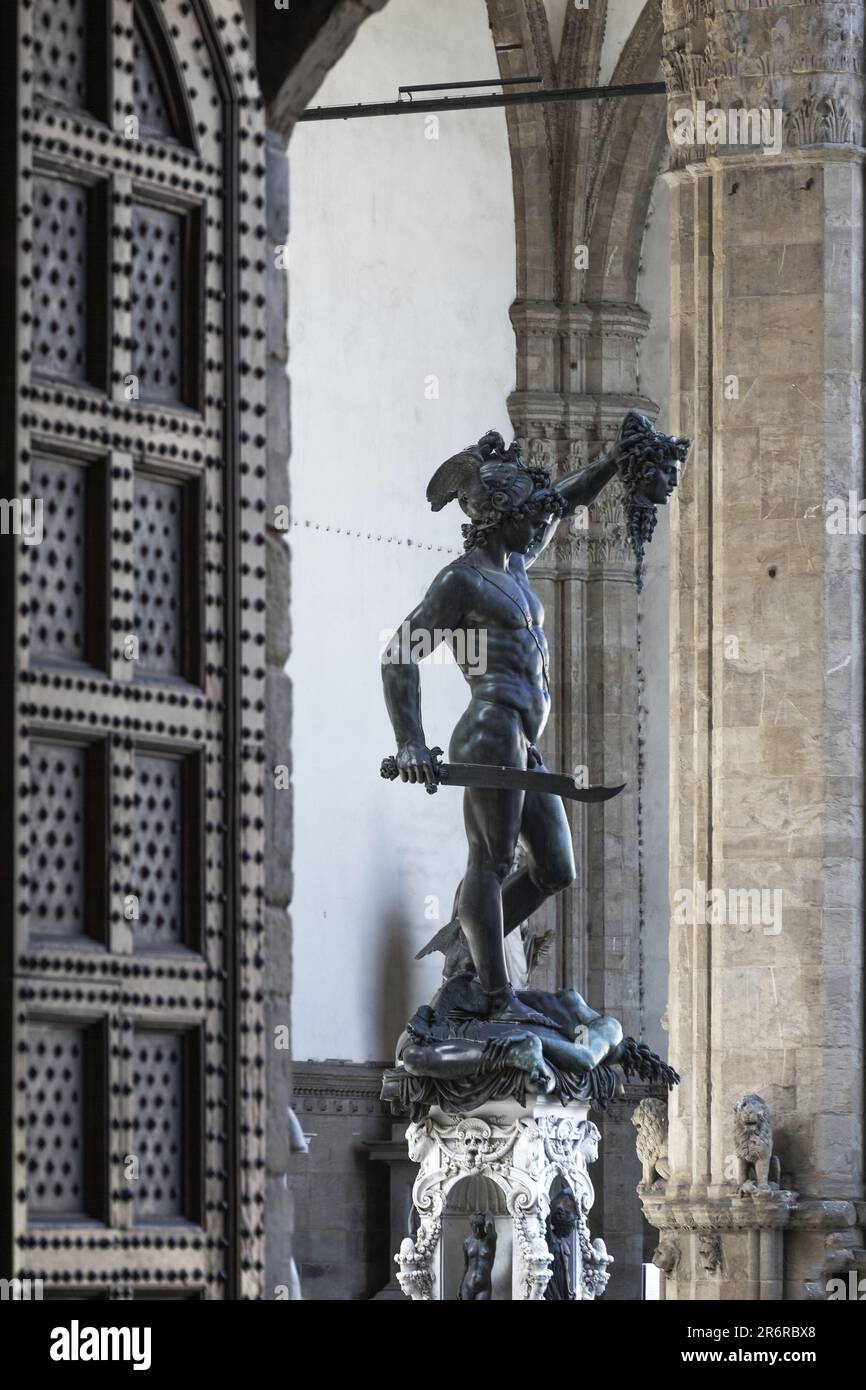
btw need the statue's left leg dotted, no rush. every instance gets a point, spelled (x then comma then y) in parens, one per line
(546, 837)
(460, 1057)
(602, 1037)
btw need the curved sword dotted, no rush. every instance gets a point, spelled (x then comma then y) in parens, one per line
(504, 779)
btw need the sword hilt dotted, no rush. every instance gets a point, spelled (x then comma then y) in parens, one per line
(391, 771)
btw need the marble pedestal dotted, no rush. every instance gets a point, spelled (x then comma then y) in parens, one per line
(510, 1159)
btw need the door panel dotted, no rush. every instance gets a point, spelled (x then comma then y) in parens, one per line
(133, 682)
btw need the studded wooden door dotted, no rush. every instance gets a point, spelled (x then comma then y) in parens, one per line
(132, 451)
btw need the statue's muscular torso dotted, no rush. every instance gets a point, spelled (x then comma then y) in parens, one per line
(487, 591)
(508, 617)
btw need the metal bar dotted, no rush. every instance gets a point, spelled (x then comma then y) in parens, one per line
(452, 86)
(409, 108)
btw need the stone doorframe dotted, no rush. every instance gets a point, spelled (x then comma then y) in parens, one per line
(287, 94)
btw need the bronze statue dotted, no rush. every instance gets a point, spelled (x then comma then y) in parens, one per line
(561, 1226)
(479, 1253)
(478, 1039)
(514, 512)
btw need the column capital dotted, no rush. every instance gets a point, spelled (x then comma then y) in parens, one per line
(800, 62)
(546, 318)
(769, 1211)
(564, 416)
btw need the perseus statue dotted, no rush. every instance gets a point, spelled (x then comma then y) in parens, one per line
(514, 510)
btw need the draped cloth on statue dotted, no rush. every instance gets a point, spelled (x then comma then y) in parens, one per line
(414, 1095)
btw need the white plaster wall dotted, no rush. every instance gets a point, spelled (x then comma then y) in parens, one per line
(556, 12)
(622, 15)
(654, 296)
(402, 268)
(620, 19)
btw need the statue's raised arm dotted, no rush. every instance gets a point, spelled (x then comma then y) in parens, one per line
(647, 462)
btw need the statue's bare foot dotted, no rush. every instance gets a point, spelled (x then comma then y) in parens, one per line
(526, 1054)
(523, 1052)
(505, 1007)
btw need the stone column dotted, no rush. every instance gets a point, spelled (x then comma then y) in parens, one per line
(581, 362)
(767, 633)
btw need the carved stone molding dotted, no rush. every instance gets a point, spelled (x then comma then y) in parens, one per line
(338, 1088)
(805, 60)
(601, 543)
(823, 120)
(771, 1211)
(543, 329)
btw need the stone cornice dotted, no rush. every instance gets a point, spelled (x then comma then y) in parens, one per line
(538, 316)
(775, 1210)
(761, 1211)
(801, 154)
(338, 1088)
(546, 412)
(619, 320)
(549, 319)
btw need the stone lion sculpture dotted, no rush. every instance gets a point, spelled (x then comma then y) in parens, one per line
(758, 1167)
(650, 1119)
(666, 1255)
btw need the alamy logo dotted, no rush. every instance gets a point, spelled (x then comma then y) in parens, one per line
(731, 907)
(75, 1343)
(22, 516)
(854, 1290)
(845, 518)
(756, 126)
(466, 648)
(20, 1290)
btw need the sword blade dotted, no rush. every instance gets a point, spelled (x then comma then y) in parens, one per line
(516, 779)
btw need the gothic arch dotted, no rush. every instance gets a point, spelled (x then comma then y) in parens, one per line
(582, 176)
(631, 139)
(549, 144)
(292, 76)
(531, 140)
